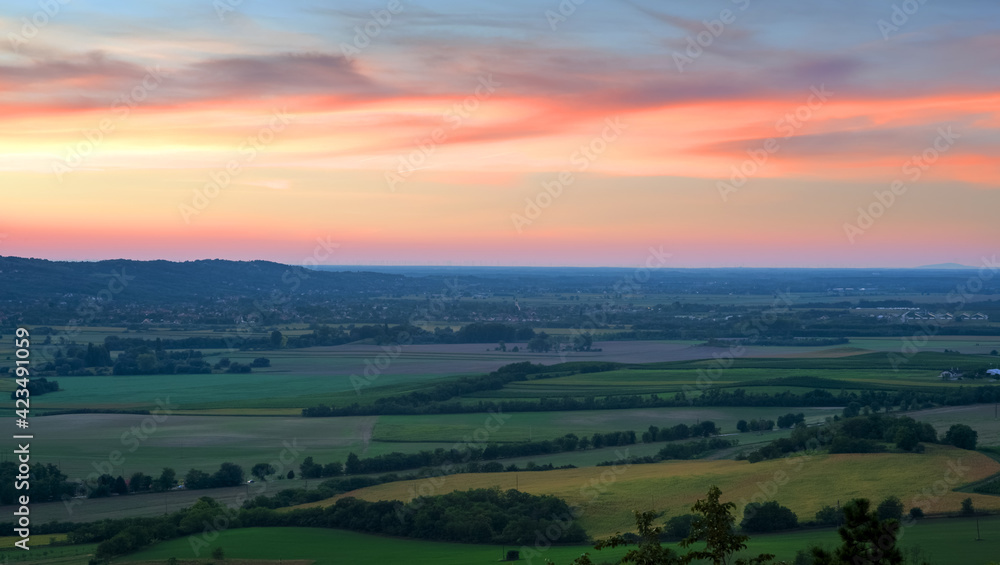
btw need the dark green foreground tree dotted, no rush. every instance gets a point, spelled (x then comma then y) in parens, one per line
(713, 525)
(866, 539)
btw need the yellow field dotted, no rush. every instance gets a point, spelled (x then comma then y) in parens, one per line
(35, 541)
(608, 495)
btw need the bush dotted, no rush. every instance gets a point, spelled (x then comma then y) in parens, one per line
(916, 512)
(829, 516)
(767, 517)
(961, 436)
(967, 508)
(890, 508)
(678, 527)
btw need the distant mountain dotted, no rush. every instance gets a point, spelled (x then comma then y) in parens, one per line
(941, 266)
(156, 281)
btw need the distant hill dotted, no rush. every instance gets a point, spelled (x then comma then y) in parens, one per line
(941, 266)
(156, 281)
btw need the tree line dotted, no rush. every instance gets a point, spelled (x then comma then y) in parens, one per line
(439, 399)
(864, 434)
(473, 516)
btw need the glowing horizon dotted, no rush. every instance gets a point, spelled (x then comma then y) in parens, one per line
(502, 135)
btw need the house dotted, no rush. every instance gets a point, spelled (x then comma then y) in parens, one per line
(993, 372)
(952, 375)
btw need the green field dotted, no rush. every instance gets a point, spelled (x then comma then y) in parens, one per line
(942, 541)
(78, 442)
(982, 417)
(522, 426)
(868, 371)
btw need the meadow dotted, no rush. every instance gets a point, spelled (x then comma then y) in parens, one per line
(247, 418)
(524, 426)
(943, 541)
(608, 495)
(81, 443)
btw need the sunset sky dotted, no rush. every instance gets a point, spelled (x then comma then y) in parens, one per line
(438, 134)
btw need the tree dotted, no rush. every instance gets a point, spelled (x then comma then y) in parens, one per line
(276, 339)
(541, 343)
(146, 363)
(678, 527)
(916, 512)
(309, 469)
(353, 465)
(866, 539)
(120, 487)
(290, 475)
(767, 517)
(906, 439)
(166, 481)
(852, 409)
(891, 508)
(140, 482)
(197, 479)
(967, 508)
(715, 528)
(262, 470)
(649, 552)
(962, 436)
(829, 516)
(228, 475)
(742, 426)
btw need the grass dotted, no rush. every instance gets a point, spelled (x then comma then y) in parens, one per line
(329, 547)
(39, 540)
(49, 555)
(78, 442)
(522, 426)
(939, 541)
(608, 497)
(981, 417)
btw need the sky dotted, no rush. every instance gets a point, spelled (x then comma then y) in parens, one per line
(859, 133)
